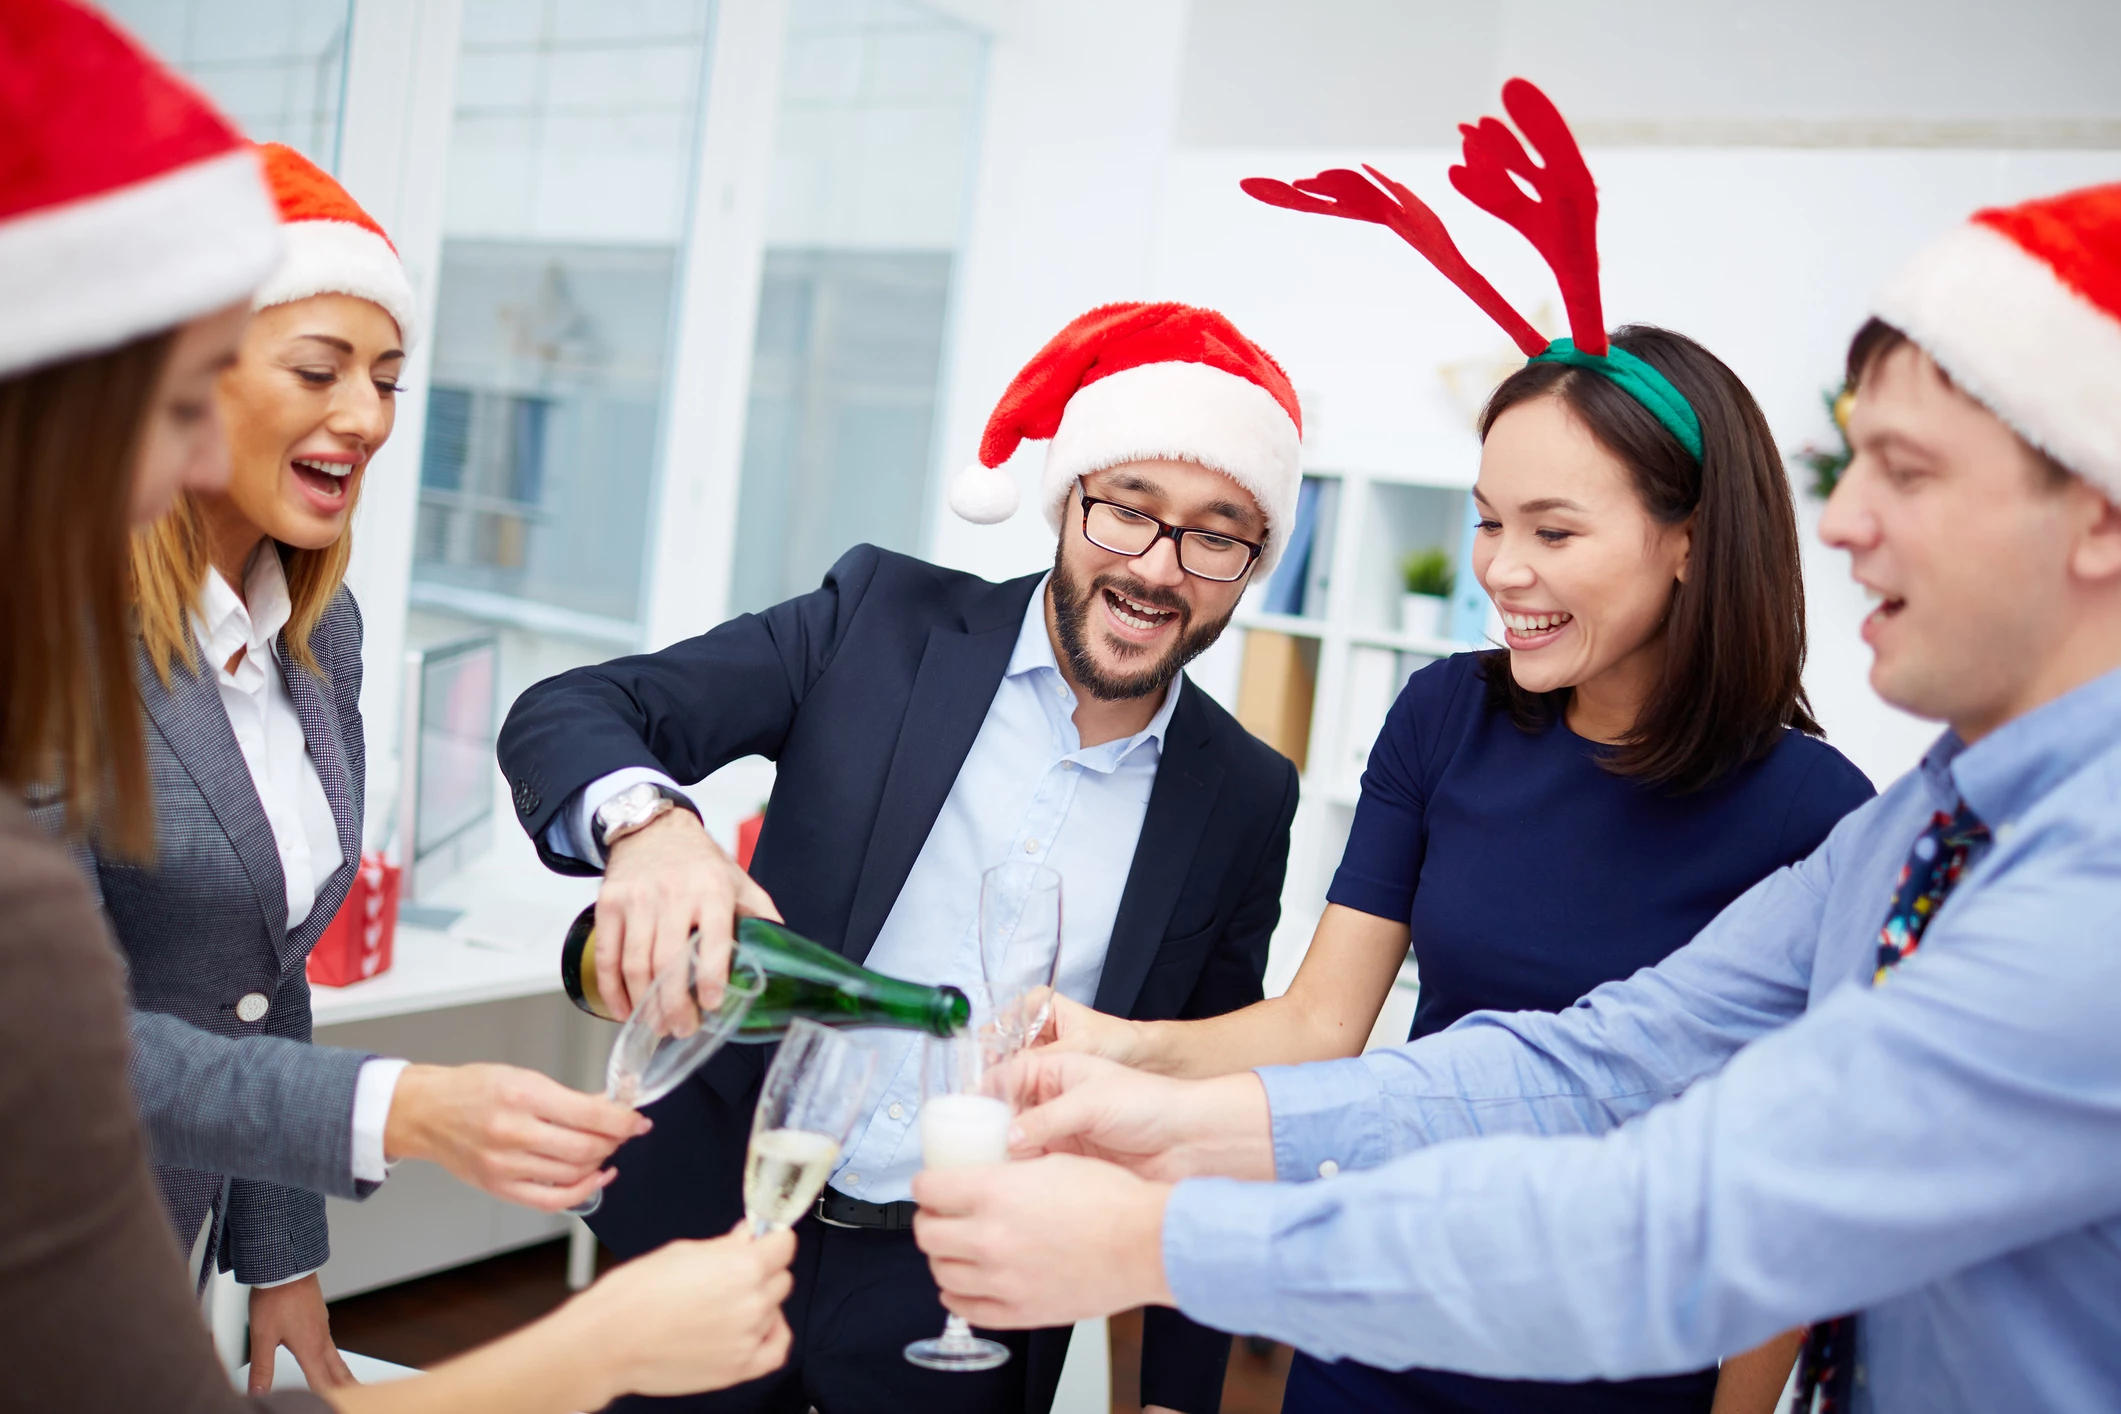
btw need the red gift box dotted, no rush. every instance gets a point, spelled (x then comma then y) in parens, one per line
(357, 942)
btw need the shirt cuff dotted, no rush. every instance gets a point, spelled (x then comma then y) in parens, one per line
(1217, 1246)
(569, 833)
(284, 1281)
(373, 1090)
(1326, 1118)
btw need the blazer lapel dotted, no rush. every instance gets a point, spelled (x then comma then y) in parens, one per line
(320, 733)
(1188, 780)
(960, 671)
(192, 720)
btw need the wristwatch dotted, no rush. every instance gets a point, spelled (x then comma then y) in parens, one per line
(632, 808)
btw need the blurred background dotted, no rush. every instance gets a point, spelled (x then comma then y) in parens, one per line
(721, 289)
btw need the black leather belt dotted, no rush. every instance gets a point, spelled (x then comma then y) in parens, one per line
(836, 1209)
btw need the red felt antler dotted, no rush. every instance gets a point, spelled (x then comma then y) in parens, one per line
(1340, 192)
(1562, 222)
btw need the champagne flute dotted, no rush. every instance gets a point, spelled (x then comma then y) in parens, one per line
(1019, 949)
(815, 1090)
(668, 1036)
(964, 1120)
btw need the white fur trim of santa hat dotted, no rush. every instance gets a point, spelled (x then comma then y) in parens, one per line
(340, 258)
(1187, 412)
(94, 274)
(2019, 341)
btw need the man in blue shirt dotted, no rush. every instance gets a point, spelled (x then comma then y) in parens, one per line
(928, 725)
(1801, 1113)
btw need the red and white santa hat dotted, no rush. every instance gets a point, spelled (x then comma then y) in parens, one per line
(1143, 382)
(128, 205)
(2022, 307)
(333, 246)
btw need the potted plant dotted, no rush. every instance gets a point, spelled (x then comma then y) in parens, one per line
(1426, 576)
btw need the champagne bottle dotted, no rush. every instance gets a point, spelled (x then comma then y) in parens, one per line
(802, 979)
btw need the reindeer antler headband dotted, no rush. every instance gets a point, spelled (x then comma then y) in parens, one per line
(1561, 223)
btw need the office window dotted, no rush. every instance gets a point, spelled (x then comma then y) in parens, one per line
(571, 159)
(873, 163)
(276, 67)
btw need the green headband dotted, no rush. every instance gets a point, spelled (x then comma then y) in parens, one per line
(1639, 381)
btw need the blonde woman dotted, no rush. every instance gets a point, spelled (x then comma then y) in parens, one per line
(249, 649)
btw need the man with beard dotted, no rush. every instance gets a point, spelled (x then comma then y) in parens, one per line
(928, 725)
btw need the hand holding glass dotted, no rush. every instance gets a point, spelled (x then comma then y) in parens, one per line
(816, 1089)
(964, 1121)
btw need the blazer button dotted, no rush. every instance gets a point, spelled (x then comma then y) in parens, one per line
(253, 1007)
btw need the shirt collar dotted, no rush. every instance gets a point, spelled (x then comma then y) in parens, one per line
(1034, 652)
(224, 622)
(2007, 772)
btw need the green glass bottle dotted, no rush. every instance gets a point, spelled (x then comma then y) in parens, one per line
(802, 979)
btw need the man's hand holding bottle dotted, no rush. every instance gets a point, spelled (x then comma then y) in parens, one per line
(661, 882)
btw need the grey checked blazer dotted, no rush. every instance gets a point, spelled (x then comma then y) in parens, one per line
(247, 1120)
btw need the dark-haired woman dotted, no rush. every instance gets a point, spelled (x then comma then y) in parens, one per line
(1543, 819)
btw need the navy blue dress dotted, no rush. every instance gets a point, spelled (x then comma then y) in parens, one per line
(1530, 874)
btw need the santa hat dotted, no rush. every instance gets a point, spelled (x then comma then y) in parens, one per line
(2022, 307)
(333, 246)
(1144, 382)
(128, 205)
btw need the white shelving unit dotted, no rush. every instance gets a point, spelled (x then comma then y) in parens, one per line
(1363, 658)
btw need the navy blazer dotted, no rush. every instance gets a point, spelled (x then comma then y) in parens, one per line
(868, 693)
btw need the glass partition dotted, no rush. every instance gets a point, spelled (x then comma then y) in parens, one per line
(277, 68)
(872, 182)
(570, 169)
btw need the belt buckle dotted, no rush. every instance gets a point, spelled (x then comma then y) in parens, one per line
(819, 1213)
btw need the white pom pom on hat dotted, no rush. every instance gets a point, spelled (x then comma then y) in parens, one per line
(984, 495)
(1144, 382)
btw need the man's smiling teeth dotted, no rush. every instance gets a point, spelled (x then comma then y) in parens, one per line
(1135, 614)
(339, 470)
(1535, 623)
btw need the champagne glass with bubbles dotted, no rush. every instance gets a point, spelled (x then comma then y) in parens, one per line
(815, 1090)
(964, 1120)
(1019, 950)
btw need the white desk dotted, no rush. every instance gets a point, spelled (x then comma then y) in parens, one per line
(431, 971)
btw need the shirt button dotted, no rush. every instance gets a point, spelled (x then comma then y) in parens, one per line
(1031, 846)
(1067, 765)
(1327, 1168)
(252, 1007)
(897, 1111)
(853, 1180)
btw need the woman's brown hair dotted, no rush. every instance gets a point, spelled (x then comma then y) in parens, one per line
(69, 714)
(1733, 674)
(170, 560)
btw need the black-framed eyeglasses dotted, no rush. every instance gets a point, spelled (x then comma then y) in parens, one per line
(1123, 530)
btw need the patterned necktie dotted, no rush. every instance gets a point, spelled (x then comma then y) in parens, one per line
(1934, 866)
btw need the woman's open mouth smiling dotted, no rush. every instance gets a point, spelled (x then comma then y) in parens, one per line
(325, 482)
(1528, 631)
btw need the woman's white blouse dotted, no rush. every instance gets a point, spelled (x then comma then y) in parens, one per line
(266, 727)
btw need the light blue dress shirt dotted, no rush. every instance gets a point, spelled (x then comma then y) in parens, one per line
(1029, 790)
(1748, 1136)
